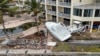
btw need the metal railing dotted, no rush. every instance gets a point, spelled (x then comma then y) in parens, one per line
(16, 35)
(61, 14)
(51, 12)
(51, 2)
(39, 53)
(43, 2)
(64, 4)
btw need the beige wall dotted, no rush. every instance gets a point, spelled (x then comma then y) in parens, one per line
(60, 19)
(77, 2)
(74, 2)
(61, 9)
(49, 7)
(49, 17)
(86, 18)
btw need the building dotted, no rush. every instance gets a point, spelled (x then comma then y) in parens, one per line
(20, 4)
(67, 11)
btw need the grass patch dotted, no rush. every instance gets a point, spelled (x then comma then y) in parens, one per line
(61, 47)
(65, 47)
(82, 36)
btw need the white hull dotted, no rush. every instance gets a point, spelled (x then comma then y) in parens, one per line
(58, 31)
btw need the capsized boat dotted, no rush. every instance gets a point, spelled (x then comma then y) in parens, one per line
(58, 30)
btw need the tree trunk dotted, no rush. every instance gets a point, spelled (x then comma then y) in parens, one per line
(2, 21)
(37, 24)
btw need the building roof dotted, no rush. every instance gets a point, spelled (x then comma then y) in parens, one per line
(89, 6)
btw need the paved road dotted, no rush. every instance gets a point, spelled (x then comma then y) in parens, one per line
(24, 51)
(39, 52)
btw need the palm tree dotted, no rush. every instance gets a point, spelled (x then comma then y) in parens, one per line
(4, 7)
(36, 8)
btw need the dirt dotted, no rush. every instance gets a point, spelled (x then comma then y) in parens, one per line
(35, 36)
(84, 36)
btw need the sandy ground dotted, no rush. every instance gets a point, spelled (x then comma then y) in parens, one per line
(15, 23)
(11, 22)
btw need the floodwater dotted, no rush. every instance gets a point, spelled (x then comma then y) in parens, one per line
(18, 29)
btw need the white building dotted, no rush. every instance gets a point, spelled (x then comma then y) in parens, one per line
(66, 11)
(21, 2)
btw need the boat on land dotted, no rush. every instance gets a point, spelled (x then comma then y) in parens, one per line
(62, 32)
(58, 31)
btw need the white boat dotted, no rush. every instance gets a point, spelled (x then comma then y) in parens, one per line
(62, 32)
(75, 28)
(58, 31)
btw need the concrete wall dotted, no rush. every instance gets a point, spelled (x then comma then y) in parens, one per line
(77, 2)
(49, 17)
(61, 9)
(60, 19)
(86, 18)
(73, 3)
(49, 7)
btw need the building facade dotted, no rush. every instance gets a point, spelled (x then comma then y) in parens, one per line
(67, 11)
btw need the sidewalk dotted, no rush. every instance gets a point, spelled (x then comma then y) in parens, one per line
(15, 23)
(24, 51)
(27, 32)
(32, 30)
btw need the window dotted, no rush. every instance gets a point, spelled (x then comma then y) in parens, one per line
(97, 13)
(54, 18)
(77, 12)
(88, 12)
(66, 21)
(53, 0)
(67, 10)
(53, 8)
(68, 1)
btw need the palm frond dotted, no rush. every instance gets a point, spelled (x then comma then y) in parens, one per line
(39, 3)
(33, 4)
(41, 9)
(12, 9)
(3, 2)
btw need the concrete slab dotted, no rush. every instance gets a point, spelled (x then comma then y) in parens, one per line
(3, 52)
(17, 51)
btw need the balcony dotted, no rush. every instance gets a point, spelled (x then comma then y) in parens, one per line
(17, 0)
(63, 15)
(65, 4)
(50, 2)
(49, 11)
(43, 2)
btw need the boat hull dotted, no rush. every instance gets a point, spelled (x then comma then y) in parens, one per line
(57, 33)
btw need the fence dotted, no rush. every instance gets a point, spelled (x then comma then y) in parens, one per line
(13, 36)
(27, 53)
